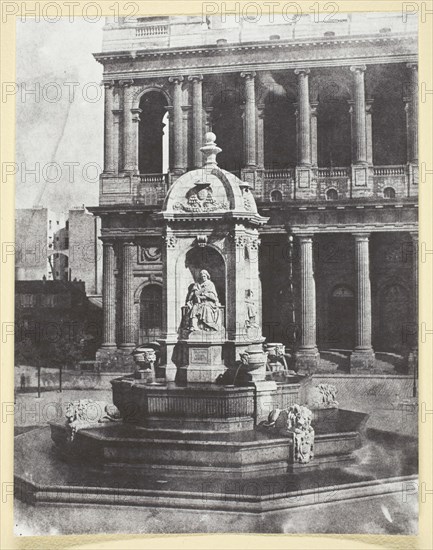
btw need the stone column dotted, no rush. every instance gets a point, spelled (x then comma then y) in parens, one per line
(314, 134)
(250, 119)
(363, 354)
(128, 260)
(108, 296)
(307, 354)
(117, 117)
(260, 136)
(304, 128)
(109, 166)
(369, 130)
(177, 124)
(411, 100)
(197, 119)
(359, 116)
(130, 137)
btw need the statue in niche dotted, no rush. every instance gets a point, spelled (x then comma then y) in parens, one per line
(202, 310)
(251, 310)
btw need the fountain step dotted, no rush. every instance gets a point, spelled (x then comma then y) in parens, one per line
(251, 453)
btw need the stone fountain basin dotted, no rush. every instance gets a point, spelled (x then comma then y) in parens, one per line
(173, 451)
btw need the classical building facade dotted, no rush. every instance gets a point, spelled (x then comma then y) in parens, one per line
(320, 118)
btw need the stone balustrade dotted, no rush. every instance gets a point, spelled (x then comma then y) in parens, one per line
(272, 185)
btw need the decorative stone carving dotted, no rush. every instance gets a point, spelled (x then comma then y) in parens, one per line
(150, 253)
(324, 396)
(250, 310)
(200, 199)
(170, 240)
(252, 358)
(201, 240)
(276, 357)
(85, 413)
(202, 305)
(253, 243)
(144, 357)
(240, 241)
(248, 199)
(295, 421)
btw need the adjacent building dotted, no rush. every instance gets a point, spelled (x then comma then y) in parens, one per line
(58, 246)
(320, 118)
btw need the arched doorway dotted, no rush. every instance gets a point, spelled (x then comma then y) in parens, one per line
(341, 319)
(150, 313)
(153, 134)
(394, 316)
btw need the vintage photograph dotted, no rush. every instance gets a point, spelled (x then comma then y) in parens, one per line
(216, 279)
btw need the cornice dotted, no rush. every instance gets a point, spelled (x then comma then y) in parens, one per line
(245, 46)
(345, 61)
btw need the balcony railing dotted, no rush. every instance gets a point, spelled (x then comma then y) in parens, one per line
(278, 173)
(333, 172)
(389, 170)
(152, 30)
(156, 179)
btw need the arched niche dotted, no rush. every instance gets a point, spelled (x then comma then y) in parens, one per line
(188, 270)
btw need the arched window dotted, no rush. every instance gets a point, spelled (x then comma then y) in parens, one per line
(227, 125)
(151, 307)
(153, 134)
(279, 127)
(389, 193)
(276, 196)
(331, 195)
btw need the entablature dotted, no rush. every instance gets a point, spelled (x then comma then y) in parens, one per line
(257, 56)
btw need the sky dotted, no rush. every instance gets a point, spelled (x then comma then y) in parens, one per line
(59, 114)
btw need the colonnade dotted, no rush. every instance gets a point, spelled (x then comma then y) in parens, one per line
(122, 111)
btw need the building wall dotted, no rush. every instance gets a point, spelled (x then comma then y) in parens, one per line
(31, 238)
(85, 251)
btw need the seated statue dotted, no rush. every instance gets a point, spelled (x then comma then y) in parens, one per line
(203, 307)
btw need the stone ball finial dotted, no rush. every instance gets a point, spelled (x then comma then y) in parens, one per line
(210, 150)
(210, 137)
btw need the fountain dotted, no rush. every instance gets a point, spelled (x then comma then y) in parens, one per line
(213, 412)
(218, 412)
